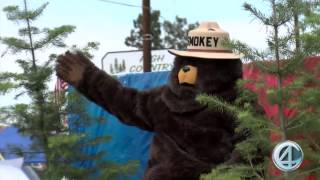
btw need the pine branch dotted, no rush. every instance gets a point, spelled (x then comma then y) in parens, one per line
(19, 94)
(6, 76)
(41, 119)
(15, 44)
(55, 37)
(254, 170)
(32, 30)
(249, 54)
(215, 103)
(257, 14)
(13, 13)
(33, 15)
(307, 172)
(16, 14)
(282, 15)
(114, 170)
(6, 87)
(313, 142)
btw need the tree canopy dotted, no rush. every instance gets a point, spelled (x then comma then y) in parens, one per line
(165, 34)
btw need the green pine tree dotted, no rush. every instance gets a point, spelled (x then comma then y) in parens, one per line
(310, 27)
(41, 117)
(69, 156)
(136, 35)
(34, 118)
(288, 51)
(175, 33)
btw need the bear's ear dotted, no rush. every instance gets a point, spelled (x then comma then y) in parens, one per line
(188, 75)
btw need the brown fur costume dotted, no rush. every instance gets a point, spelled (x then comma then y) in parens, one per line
(189, 138)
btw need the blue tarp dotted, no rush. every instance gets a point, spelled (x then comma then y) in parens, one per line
(128, 142)
(11, 142)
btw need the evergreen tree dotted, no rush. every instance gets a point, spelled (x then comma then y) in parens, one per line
(310, 27)
(175, 33)
(33, 118)
(41, 118)
(136, 34)
(70, 158)
(300, 96)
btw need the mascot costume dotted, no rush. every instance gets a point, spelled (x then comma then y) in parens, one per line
(189, 138)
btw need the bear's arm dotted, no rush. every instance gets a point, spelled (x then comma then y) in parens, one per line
(129, 105)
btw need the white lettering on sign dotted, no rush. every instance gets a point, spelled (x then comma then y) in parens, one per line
(123, 62)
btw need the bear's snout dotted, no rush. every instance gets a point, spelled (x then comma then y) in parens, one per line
(188, 75)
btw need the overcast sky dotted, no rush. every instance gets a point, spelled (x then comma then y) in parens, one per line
(109, 24)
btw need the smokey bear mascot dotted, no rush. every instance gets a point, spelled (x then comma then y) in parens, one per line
(189, 138)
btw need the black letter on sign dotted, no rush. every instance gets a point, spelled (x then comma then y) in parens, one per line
(190, 40)
(196, 41)
(201, 41)
(208, 42)
(215, 39)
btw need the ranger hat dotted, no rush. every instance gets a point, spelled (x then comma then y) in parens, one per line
(207, 41)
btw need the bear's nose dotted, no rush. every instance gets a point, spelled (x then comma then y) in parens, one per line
(186, 68)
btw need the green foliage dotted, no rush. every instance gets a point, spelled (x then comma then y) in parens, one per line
(87, 48)
(16, 14)
(311, 28)
(54, 37)
(115, 170)
(136, 34)
(15, 44)
(246, 51)
(312, 43)
(69, 153)
(233, 172)
(5, 87)
(221, 173)
(300, 19)
(252, 125)
(43, 117)
(49, 37)
(175, 33)
(215, 103)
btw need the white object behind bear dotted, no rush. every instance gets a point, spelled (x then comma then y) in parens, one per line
(11, 170)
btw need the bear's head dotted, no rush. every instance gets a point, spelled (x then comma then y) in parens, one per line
(206, 66)
(191, 76)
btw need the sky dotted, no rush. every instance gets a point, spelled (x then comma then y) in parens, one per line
(109, 24)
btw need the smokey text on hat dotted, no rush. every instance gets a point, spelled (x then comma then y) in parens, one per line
(203, 41)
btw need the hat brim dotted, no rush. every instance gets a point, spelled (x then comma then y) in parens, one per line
(205, 55)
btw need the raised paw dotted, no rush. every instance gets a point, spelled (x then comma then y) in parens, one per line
(71, 67)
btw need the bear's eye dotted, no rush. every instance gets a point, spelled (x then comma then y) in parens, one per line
(186, 68)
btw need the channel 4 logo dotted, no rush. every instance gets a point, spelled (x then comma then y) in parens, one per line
(287, 156)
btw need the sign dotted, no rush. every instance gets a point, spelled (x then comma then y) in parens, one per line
(123, 62)
(287, 156)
